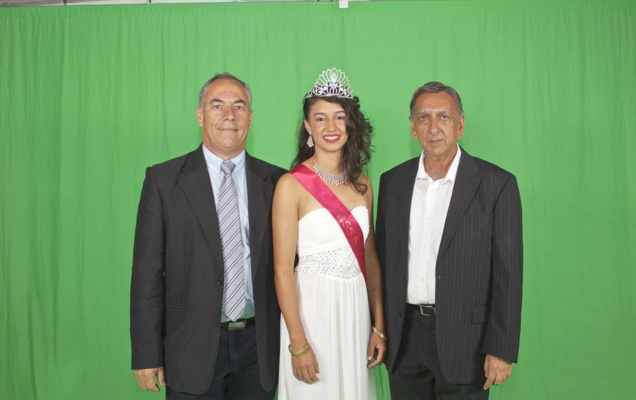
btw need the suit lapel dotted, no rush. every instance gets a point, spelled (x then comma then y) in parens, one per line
(403, 195)
(466, 185)
(259, 198)
(196, 185)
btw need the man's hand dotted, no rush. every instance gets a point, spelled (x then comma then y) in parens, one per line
(146, 378)
(497, 371)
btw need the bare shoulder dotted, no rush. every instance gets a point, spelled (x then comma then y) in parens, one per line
(288, 187)
(285, 179)
(363, 179)
(287, 182)
(366, 181)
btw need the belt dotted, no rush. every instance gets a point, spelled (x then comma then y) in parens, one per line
(424, 309)
(237, 325)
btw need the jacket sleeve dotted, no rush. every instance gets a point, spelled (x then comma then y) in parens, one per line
(380, 234)
(504, 322)
(147, 283)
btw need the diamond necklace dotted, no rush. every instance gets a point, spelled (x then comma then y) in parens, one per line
(333, 179)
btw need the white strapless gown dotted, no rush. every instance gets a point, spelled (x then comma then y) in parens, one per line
(334, 310)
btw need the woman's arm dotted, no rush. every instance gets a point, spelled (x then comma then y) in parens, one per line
(374, 289)
(285, 213)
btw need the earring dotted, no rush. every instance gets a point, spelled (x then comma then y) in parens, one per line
(310, 141)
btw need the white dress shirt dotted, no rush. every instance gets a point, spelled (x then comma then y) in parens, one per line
(240, 181)
(429, 207)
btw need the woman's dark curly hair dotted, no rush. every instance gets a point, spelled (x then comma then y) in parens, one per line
(356, 151)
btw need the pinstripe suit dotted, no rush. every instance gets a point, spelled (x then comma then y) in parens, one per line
(478, 269)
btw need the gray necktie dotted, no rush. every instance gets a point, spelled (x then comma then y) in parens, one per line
(230, 228)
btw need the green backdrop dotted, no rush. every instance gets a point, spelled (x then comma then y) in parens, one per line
(90, 96)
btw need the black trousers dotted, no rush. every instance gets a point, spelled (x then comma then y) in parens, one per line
(417, 373)
(236, 375)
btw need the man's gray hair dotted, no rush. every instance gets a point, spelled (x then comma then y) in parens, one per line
(437, 87)
(224, 75)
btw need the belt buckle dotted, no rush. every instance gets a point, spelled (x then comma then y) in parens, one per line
(236, 326)
(423, 307)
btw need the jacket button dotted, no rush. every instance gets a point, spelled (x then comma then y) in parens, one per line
(219, 282)
(397, 314)
(403, 278)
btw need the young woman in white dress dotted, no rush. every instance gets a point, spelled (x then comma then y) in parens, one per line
(332, 325)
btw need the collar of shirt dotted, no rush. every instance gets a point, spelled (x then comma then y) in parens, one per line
(214, 162)
(450, 175)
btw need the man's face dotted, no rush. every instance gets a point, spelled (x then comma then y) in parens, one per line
(226, 117)
(435, 124)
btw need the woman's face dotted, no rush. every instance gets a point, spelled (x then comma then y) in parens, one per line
(327, 124)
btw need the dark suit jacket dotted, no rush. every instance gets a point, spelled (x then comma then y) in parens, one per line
(177, 278)
(479, 266)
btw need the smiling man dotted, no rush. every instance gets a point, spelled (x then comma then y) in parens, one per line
(204, 316)
(449, 240)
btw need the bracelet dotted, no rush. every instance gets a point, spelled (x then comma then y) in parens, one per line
(377, 332)
(299, 353)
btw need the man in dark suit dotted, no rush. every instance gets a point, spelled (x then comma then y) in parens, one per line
(204, 315)
(450, 244)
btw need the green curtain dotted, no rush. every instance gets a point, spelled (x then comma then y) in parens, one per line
(90, 96)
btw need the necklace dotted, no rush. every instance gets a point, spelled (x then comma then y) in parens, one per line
(332, 179)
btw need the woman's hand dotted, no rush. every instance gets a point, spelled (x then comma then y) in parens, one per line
(306, 367)
(376, 351)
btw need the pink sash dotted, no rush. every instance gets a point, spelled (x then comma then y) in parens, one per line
(321, 192)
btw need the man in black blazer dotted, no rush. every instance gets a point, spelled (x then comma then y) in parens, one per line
(180, 329)
(449, 240)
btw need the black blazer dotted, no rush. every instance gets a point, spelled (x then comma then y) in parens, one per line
(177, 277)
(479, 266)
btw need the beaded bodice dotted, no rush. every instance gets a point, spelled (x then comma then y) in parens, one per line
(323, 247)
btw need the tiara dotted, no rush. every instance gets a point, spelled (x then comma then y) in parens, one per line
(332, 82)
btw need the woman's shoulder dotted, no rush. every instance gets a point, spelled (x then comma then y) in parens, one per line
(286, 180)
(364, 183)
(289, 184)
(364, 179)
